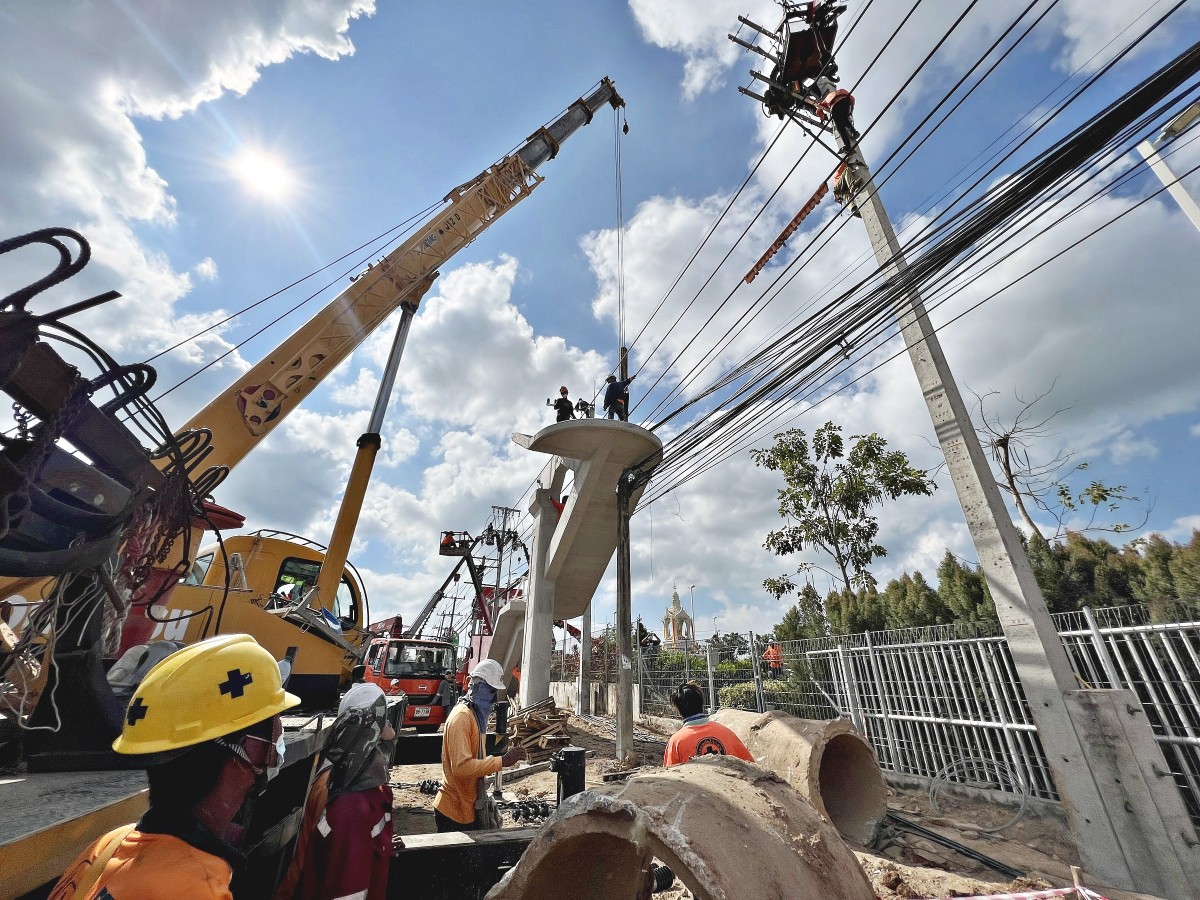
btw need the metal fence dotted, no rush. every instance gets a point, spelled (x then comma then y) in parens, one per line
(928, 698)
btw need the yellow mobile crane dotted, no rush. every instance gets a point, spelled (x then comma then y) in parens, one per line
(288, 593)
(326, 617)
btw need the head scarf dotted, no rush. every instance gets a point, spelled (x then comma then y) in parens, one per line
(353, 744)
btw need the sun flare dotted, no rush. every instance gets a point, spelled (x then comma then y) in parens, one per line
(263, 173)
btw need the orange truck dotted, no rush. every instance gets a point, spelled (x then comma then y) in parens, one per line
(416, 667)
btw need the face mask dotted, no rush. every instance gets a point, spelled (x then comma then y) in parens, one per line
(280, 752)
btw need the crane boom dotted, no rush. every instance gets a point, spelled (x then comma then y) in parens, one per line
(243, 414)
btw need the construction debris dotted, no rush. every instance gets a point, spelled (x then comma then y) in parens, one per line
(541, 729)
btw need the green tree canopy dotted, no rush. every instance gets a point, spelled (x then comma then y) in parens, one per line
(829, 497)
(964, 591)
(805, 620)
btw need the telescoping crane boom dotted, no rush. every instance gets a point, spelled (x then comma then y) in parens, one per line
(244, 413)
(258, 401)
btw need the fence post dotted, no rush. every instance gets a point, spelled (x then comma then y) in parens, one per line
(1106, 661)
(761, 700)
(851, 690)
(687, 660)
(641, 670)
(885, 707)
(713, 705)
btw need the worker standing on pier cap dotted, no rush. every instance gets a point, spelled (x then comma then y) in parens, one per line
(616, 397)
(563, 407)
(206, 721)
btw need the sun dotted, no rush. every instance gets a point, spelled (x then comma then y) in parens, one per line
(263, 173)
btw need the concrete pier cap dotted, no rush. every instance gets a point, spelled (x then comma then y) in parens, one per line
(584, 537)
(727, 828)
(826, 761)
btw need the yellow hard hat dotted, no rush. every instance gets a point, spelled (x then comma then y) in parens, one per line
(204, 691)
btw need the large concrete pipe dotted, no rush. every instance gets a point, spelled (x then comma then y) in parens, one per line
(827, 761)
(727, 828)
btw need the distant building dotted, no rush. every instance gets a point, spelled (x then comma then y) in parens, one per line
(679, 630)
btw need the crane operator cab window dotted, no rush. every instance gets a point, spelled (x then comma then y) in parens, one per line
(199, 569)
(303, 574)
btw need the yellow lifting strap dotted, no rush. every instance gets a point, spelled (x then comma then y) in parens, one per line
(105, 852)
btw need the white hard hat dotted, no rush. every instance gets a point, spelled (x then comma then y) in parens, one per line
(488, 670)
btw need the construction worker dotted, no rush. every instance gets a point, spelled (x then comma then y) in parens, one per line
(699, 736)
(344, 846)
(774, 658)
(563, 407)
(464, 766)
(616, 397)
(206, 722)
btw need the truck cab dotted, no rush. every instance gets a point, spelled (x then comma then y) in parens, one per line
(416, 667)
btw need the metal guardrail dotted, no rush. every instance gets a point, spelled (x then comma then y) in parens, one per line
(927, 697)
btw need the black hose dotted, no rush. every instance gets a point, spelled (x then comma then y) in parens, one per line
(906, 825)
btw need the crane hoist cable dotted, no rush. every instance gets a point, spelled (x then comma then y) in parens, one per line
(620, 126)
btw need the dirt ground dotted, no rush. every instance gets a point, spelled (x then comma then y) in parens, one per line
(901, 866)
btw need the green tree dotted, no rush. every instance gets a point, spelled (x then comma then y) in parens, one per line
(829, 497)
(1082, 571)
(853, 612)
(1155, 585)
(964, 591)
(1185, 570)
(728, 644)
(804, 620)
(909, 602)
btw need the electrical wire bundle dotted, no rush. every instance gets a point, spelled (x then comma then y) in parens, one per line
(979, 231)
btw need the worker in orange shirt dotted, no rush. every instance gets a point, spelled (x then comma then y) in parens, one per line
(774, 657)
(464, 765)
(209, 714)
(699, 736)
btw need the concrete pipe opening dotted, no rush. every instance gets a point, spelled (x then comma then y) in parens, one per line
(826, 761)
(852, 788)
(726, 828)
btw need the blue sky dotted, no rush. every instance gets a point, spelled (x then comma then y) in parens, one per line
(130, 114)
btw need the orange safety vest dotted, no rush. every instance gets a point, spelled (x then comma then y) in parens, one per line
(129, 865)
(703, 738)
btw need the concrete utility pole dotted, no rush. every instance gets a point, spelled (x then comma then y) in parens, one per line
(1125, 819)
(625, 754)
(1150, 151)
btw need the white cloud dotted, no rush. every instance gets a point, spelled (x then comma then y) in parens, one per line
(78, 81)
(1181, 529)
(1126, 447)
(206, 269)
(698, 31)
(1095, 32)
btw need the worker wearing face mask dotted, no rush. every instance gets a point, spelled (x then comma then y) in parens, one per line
(464, 764)
(344, 846)
(206, 722)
